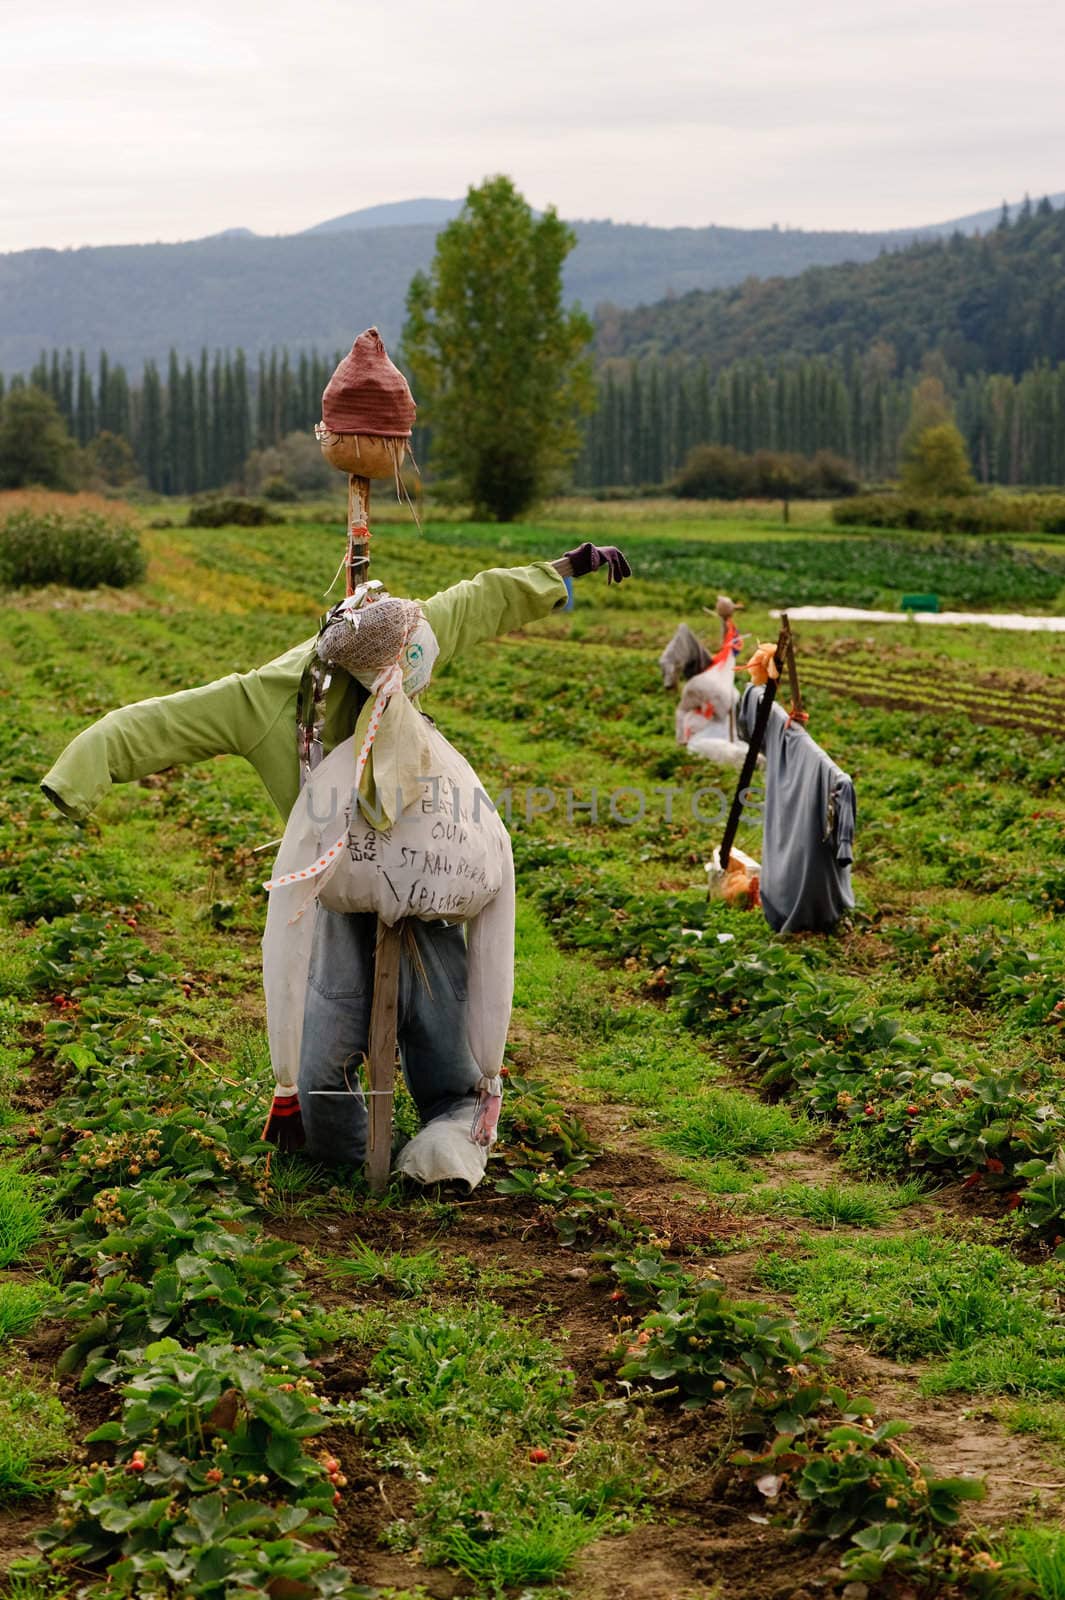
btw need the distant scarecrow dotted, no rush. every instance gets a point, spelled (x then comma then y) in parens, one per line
(386, 830)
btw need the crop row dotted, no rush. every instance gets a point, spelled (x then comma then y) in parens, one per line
(177, 1299)
(208, 1481)
(1032, 712)
(817, 1455)
(855, 570)
(894, 1097)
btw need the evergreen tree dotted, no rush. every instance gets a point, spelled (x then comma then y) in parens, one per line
(85, 414)
(151, 445)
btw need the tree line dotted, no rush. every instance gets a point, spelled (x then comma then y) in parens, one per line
(652, 413)
(192, 426)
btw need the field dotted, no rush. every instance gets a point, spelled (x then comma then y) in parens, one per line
(761, 1299)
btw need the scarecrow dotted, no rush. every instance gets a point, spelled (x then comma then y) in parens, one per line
(388, 833)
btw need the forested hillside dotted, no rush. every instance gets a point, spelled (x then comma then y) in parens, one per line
(995, 303)
(318, 289)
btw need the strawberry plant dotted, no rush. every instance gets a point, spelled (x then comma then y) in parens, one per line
(211, 1487)
(580, 1216)
(216, 1285)
(98, 954)
(717, 1350)
(536, 1128)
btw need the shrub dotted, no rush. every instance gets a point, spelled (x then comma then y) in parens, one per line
(719, 472)
(278, 488)
(980, 514)
(80, 548)
(218, 511)
(714, 472)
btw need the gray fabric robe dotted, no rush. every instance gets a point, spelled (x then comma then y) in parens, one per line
(808, 826)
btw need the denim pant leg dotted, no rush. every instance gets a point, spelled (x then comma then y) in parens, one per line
(437, 1064)
(336, 1026)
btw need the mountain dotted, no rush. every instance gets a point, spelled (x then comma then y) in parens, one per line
(981, 221)
(992, 303)
(320, 287)
(395, 214)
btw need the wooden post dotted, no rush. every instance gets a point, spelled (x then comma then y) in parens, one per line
(761, 722)
(384, 1008)
(382, 1055)
(788, 644)
(357, 562)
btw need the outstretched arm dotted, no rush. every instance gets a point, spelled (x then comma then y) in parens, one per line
(504, 598)
(494, 602)
(223, 718)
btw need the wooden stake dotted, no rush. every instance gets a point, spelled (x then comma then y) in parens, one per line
(761, 722)
(384, 1009)
(788, 644)
(384, 1013)
(358, 557)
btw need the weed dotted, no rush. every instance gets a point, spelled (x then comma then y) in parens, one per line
(850, 1205)
(22, 1305)
(1040, 1555)
(408, 1276)
(471, 1373)
(22, 1212)
(727, 1122)
(35, 1431)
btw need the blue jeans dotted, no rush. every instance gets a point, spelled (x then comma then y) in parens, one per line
(437, 1064)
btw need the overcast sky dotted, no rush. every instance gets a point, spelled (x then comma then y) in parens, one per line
(127, 122)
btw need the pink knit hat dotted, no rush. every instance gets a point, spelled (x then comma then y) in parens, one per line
(367, 394)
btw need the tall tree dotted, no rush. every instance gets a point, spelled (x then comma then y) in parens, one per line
(500, 366)
(85, 422)
(35, 447)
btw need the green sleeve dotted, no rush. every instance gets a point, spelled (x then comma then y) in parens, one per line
(493, 603)
(223, 718)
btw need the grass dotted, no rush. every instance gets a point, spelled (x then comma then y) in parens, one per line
(727, 1122)
(989, 1322)
(1040, 1555)
(35, 1439)
(408, 1276)
(460, 1397)
(834, 1205)
(21, 1306)
(22, 1213)
(1045, 1422)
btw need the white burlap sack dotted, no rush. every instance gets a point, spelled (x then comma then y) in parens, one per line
(446, 858)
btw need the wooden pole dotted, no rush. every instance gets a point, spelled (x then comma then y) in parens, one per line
(761, 721)
(384, 1012)
(357, 562)
(788, 644)
(384, 1008)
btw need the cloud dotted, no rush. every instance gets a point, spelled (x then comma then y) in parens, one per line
(142, 121)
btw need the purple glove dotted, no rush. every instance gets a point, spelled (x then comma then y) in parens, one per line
(589, 557)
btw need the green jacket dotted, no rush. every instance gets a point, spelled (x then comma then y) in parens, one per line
(253, 714)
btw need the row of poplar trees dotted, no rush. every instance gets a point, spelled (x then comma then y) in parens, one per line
(650, 415)
(194, 428)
